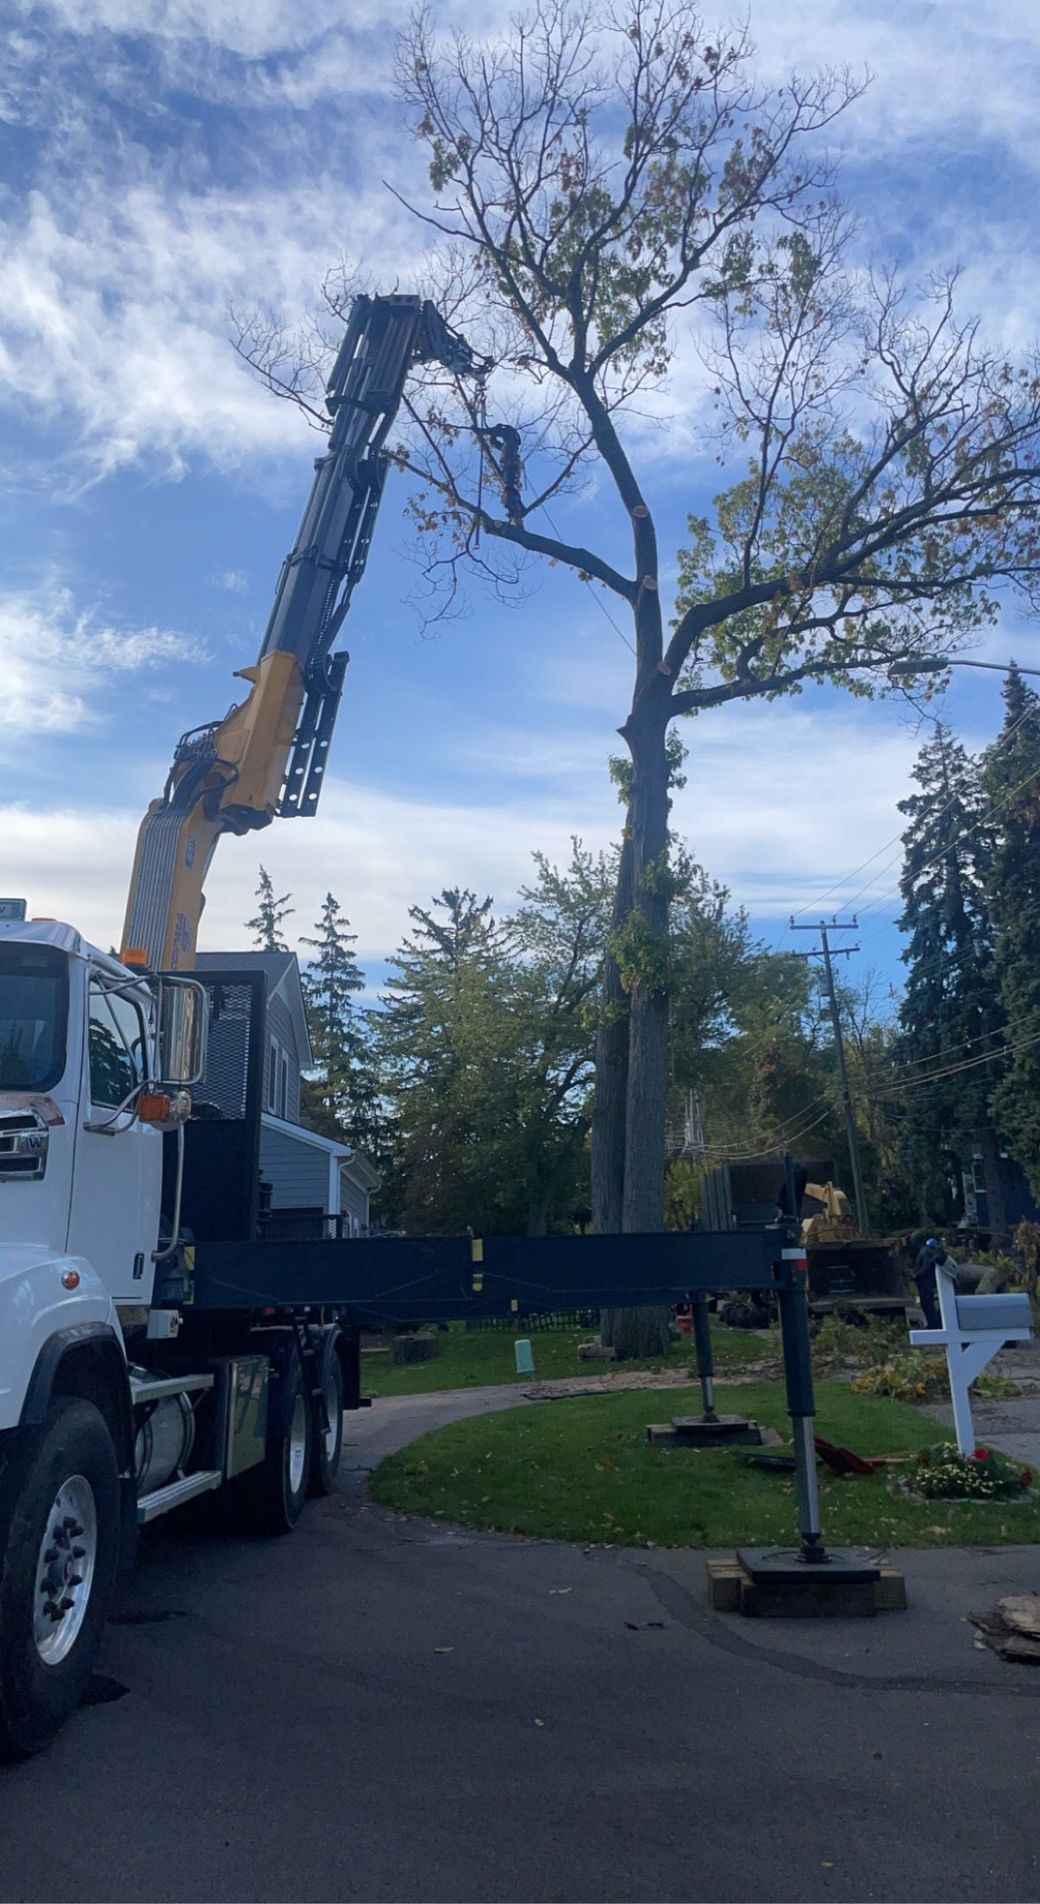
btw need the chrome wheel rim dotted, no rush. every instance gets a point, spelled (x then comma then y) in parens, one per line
(332, 1410)
(297, 1444)
(65, 1570)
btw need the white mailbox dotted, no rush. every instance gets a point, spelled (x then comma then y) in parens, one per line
(973, 1329)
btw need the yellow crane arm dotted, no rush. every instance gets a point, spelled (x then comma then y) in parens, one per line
(228, 779)
(268, 755)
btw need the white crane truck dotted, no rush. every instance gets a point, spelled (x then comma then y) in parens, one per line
(155, 1344)
(121, 1395)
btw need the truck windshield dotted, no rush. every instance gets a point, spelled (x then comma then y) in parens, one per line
(34, 1005)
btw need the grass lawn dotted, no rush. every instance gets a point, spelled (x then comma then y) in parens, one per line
(483, 1357)
(583, 1470)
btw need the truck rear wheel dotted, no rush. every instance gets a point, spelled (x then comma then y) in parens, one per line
(274, 1494)
(59, 1539)
(328, 1447)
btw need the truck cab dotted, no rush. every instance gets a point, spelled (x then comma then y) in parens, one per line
(80, 1172)
(120, 1399)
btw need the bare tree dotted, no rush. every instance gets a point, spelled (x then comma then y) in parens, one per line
(611, 187)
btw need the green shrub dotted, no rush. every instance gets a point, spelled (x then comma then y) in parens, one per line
(918, 1377)
(870, 1342)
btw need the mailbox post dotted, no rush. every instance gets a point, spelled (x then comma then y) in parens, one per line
(973, 1329)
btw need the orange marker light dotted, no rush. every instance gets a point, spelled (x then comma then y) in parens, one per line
(70, 1278)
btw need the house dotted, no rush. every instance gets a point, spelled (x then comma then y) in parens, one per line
(319, 1187)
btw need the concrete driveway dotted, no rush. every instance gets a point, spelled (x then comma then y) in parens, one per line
(377, 1709)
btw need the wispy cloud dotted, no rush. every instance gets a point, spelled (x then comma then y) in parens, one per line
(60, 660)
(233, 580)
(116, 293)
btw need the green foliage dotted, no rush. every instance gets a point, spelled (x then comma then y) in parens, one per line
(872, 1342)
(950, 1009)
(917, 1376)
(682, 1194)
(485, 1040)
(340, 1097)
(943, 1473)
(1011, 779)
(266, 925)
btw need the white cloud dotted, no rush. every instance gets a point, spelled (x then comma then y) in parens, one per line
(59, 660)
(115, 306)
(961, 72)
(233, 580)
(116, 293)
(251, 29)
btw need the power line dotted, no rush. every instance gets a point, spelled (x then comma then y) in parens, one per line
(896, 1089)
(852, 1135)
(795, 1137)
(781, 1135)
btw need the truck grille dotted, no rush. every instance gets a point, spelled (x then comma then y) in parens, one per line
(23, 1145)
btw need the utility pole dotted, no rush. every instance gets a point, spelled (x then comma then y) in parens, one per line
(825, 951)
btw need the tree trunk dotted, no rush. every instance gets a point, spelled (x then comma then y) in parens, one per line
(608, 1116)
(537, 1214)
(646, 1102)
(997, 1179)
(645, 1332)
(636, 1333)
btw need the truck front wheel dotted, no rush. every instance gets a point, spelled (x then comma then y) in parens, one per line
(59, 1542)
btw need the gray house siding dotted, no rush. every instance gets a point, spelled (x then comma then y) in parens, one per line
(353, 1200)
(280, 1030)
(297, 1172)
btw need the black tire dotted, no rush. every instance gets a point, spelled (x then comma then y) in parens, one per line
(326, 1451)
(274, 1494)
(73, 1450)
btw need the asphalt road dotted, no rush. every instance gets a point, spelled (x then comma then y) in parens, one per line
(377, 1709)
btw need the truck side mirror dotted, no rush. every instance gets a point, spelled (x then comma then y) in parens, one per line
(183, 1025)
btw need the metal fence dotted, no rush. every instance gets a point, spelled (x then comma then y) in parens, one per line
(538, 1323)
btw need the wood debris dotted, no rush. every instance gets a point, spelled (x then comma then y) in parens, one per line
(1012, 1629)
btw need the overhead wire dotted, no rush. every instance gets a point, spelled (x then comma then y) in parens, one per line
(897, 840)
(898, 1088)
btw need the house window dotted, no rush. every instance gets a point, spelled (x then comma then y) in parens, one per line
(278, 1102)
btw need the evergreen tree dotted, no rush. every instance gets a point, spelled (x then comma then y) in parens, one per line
(340, 1098)
(440, 1055)
(266, 927)
(1011, 777)
(950, 1011)
(486, 1040)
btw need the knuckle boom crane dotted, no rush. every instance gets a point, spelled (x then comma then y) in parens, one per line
(157, 1343)
(268, 755)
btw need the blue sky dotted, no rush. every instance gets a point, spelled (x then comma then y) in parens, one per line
(164, 159)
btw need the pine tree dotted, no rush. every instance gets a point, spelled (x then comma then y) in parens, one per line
(1011, 776)
(266, 927)
(340, 1097)
(950, 1011)
(440, 1058)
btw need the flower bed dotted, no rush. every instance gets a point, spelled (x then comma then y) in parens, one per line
(943, 1473)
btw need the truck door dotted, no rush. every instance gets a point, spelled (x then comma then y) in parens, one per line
(118, 1167)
